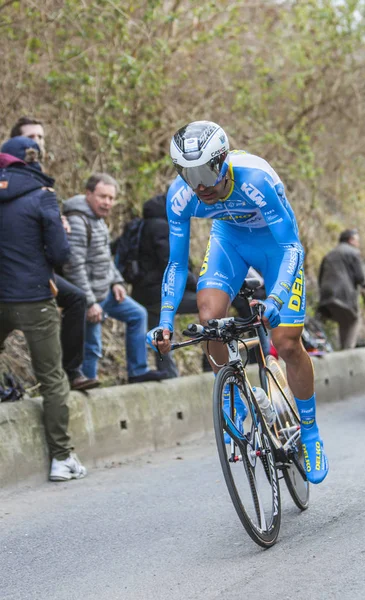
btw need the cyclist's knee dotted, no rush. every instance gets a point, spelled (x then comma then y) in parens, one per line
(212, 304)
(289, 346)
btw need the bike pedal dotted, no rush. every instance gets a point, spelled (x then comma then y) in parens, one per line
(234, 459)
(283, 465)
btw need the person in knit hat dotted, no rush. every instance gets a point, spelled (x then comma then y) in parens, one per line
(32, 242)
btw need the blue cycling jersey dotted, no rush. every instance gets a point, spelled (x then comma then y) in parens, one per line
(254, 225)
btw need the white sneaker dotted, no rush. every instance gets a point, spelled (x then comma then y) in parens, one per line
(70, 468)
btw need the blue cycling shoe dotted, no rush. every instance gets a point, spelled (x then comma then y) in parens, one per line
(315, 460)
(240, 412)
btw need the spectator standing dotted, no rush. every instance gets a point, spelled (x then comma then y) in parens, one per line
(341, 276)
(92, 269)
(69, 298)
(31, 128)
(32, 243)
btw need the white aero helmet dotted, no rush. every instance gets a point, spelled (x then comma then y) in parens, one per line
(198, 152)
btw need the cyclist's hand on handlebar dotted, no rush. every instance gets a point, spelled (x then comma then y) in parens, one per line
(271, 315)
(160, 337)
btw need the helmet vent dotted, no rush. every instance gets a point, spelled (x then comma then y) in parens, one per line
(179, 141)
(206, 134)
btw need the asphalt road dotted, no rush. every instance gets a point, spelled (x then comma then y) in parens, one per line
(163, 528)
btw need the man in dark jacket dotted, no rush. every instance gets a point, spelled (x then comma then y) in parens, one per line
(340, 277)
(70, 298)
(154, 253)
(32, 242)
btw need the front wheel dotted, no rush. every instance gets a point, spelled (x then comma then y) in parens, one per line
(247, 460)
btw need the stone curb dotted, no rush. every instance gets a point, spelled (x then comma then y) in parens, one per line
(109, 424)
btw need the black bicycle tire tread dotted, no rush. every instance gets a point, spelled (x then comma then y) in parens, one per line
(263, 541)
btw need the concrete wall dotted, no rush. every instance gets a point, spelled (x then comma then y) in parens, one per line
(110, 424)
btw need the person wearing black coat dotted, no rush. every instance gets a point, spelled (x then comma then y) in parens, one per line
(154, 253)
(70, 298)
(32, 242)
(341, 279)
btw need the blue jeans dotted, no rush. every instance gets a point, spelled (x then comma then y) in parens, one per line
(135, 317)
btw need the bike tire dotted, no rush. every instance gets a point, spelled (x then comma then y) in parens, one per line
(262, 519)
(294, 474)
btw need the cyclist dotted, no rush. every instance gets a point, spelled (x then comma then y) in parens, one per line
(253, 225)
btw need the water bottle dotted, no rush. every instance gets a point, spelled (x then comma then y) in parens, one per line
(265, 405)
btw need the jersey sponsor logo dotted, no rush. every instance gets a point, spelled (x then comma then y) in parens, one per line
(285, 285)
(218, 206)
(191, 145)
(269, 181)
(180, 200)
(169, 286)
(293, 261)
(204, 268)
(295, 299)
(217, 152)
(308, 422)
(318, 456)
(270, 216)
(214, 283)
(295, 246)
(235, 217)
(277, 221)
(250, 220)
(254, 194)
(306, 459)
(219, 274)
(167, 307)
(277, 299)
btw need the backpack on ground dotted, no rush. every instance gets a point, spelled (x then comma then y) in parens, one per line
(127, 250)
(10, 389)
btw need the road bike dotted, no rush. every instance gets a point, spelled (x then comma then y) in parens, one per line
(256, 459)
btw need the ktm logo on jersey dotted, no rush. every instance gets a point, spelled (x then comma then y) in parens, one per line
(254, 194)
(180, 200)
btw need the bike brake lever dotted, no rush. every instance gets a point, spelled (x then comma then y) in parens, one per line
(264, 328)
(260, 312)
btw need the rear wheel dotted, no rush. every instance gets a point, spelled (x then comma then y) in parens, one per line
(287, 431)
(247, 462)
